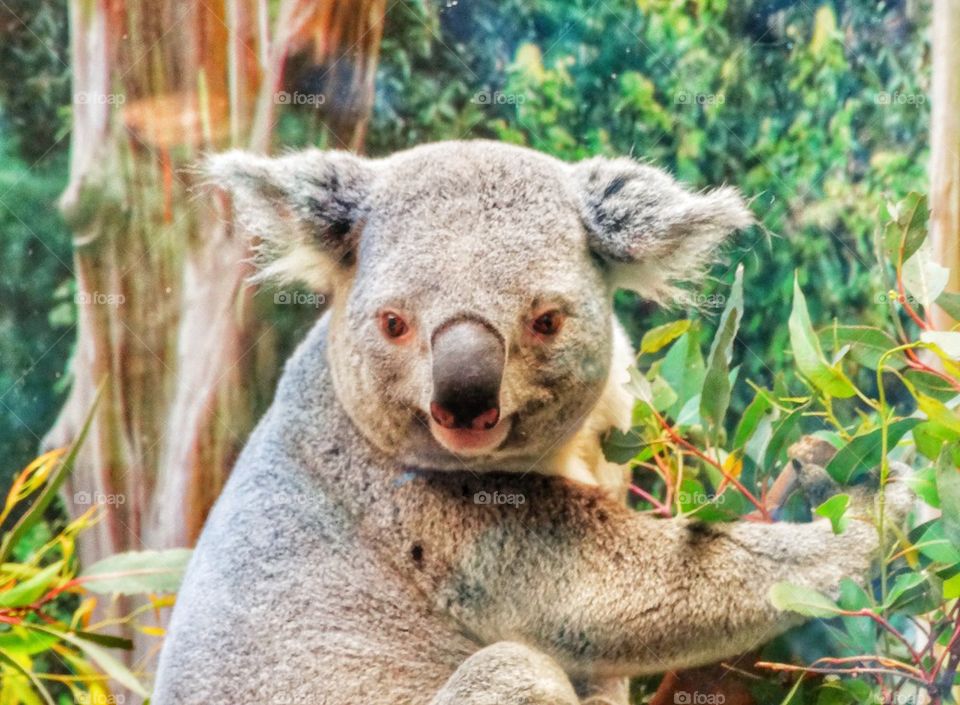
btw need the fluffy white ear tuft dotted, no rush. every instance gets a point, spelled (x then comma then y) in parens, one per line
(305, 210)
(653, 232)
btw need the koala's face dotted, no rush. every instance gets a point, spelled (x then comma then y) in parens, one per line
(472, 283)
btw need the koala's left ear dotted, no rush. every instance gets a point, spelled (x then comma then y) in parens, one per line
(305, 208)
(652, 231)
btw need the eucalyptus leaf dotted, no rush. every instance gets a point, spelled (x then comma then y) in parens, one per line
(865, 451)
(835, 509)
(948, 491)
(715, 397)
(660, 337)
(808, 355)
(137, 572)
(802, 600)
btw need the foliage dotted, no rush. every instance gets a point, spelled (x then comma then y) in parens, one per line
(50, 648)
(900, 637)
(36, 304)
(819, 115)
(34, 63)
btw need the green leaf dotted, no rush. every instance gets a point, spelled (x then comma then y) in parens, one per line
(852, 596)
(658, 338)
(50, 490)
(929, 437)
(137, 572)
(809, 357)
(948, 490)
(108, 640)
(715, 397)
(908, 228)
(795, 598)
(923, 483)
(107, 663)
(867, 345)
(835, 510)
(865, 451)
(683, 369)
(951, 587)
(930, 384)
(23, 641)
(905, 582)
(861, 630)
(937, 411)
(755, 411)
(784, 433)
(934, 544)
(950, 302)
(32, 589)
(620, 447)
(29, 675)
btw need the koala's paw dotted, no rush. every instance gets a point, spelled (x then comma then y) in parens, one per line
(810, 455)
(899, 499)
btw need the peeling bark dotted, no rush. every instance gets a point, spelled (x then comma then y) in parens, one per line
(163, 310)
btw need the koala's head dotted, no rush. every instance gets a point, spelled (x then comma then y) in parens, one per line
(472, 282)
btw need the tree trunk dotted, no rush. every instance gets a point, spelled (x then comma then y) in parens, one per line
(945, 147)
(164, 315)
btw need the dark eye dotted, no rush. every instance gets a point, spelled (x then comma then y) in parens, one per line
(548, 323)
(392, 325)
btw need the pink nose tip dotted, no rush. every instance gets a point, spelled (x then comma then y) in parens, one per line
(447, 419)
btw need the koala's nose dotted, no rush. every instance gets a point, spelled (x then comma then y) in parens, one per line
(468, 360)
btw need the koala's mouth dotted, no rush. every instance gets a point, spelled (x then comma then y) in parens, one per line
(470, 443)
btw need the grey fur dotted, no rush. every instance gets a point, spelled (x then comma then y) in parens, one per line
(352, 559)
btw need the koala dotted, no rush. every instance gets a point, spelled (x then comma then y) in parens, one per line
(424, 516)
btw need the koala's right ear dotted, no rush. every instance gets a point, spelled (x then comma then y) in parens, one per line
(305, 208)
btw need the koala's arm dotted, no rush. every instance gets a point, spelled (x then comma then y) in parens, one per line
(611, 592)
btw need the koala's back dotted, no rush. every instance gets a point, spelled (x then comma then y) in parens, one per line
(286, 601)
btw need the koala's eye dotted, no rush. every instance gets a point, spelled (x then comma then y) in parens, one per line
(392, 325)
(548, 324)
